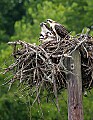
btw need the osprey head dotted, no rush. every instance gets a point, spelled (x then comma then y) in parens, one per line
(50, 21)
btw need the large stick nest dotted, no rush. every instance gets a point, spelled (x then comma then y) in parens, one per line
(42, 67)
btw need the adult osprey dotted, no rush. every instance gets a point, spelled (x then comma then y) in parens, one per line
(58, 29)
(46, 33)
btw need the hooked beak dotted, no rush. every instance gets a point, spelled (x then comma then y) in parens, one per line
(41, 24)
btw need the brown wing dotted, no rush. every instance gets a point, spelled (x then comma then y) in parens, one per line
(61, 31)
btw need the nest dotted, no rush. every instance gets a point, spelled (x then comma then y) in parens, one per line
(42, 68)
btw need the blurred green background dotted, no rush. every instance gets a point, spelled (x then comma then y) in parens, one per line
(20, 19)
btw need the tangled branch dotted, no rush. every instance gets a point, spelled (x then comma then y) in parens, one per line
(42, 67)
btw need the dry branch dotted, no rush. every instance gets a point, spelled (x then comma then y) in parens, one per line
(41, 67)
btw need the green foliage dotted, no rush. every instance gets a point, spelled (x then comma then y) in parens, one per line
(88, 106)
(20, 19)
(78, 14)
(11, 108)
(3, 36)
(10, 12)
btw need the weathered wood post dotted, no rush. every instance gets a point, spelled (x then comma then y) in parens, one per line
(75, 108)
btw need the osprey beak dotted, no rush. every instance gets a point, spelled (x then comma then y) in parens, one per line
(41, 24)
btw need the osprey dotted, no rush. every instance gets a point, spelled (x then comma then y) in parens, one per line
(58, 29)
(46, 33)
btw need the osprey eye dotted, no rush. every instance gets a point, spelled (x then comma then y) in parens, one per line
(50, 21)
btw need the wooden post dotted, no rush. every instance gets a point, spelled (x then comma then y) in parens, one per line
(75, 108)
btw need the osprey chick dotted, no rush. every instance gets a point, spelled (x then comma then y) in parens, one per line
(46, 33)
(58, 29)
